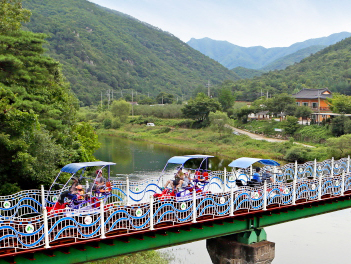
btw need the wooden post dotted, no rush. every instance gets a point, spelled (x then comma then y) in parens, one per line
(231, 200)
(265, 195)
(127, 191)
(102, 219)
(45, 218)
(315, 169)
(225, 179)
(294, 185)
(342, 183)
(320, 187)
(151, 212)
(332, 168)
(194, 205)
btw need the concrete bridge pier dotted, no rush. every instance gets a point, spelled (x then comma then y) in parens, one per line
(243, 248)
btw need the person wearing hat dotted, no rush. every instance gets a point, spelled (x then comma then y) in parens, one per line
(71, 193)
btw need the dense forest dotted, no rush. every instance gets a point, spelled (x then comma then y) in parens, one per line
(330, 67)
(38, 128)
(101, 49)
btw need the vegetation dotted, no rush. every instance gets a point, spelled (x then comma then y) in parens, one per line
(38, 131)
(102, 49)
(146, 257)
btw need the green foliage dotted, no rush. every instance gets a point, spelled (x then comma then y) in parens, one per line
(116, 123)
(303, 111)
(296, 153)
(146, 257)
(160, 111)
(281, 103)
(313, 133)
(38, 132)
(340, 125)
(290, 125)
(340, 146)
(102, 49)
(121, 109)
(242, 114)
(330, 67)
(226, 98)
(340, 103)
(164, 98)
(200, 108)
(218, 121)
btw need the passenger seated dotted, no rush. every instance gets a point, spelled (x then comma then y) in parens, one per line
(99, 182)
(71, 193)
(80, 192)
(173, 182)
(256, 176)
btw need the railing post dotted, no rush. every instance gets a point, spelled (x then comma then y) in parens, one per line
(127, 191)
(45, 218)
(231, 200)
(225, 179)
(294, 185)
(194, 205)
(320, 187)
(86, 185)
(265, 195)
(348, 164)
(342, 183)
(332, 167)
(251, 172)
(102, 219)
(315, 169)
(151, 212)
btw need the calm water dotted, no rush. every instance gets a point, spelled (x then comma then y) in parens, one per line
(320, 239)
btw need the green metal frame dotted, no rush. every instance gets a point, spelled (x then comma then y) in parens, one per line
(249, 225)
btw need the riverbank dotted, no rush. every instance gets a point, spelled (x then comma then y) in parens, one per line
(202, 141)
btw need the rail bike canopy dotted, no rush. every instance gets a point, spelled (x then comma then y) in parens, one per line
(74, 167)
(245, 162)
(182, 159)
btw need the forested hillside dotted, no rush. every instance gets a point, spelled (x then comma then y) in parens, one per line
(330, 67)
(102, 49)
(39, 132)
(232, 56)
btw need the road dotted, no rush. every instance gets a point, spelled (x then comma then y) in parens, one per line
(259, 137)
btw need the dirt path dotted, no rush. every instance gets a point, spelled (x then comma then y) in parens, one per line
(259, 137)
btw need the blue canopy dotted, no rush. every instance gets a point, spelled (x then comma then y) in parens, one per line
(247, 162)
(74, 167)
(183, 159)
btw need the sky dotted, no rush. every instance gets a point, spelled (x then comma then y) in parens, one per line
(246, 23)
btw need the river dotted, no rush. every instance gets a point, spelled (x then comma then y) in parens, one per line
(319, 239)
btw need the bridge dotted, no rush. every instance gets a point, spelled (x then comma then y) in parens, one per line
(133, 219)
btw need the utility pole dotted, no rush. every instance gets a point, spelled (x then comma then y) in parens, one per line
(208, 88)
(108, 94)
(132, 103)
(267, 94)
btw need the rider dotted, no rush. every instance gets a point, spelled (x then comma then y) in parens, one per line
(71, 193)
(99, 181)
(256, 175)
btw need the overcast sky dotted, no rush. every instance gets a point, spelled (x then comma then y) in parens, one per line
(268, 23)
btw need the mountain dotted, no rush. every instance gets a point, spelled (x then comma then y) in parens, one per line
(330, 67)
(290, 59)
(245, 73)
(102, 49)
(231, 56)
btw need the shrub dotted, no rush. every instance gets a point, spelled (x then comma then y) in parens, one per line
(297, 153)
(116, 123)
(107, 123)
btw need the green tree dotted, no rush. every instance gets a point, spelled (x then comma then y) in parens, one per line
(340, 125)
(281, 103)
(164, 98)
(226, 98)
(200, 108)
(340, 103)
(290, 125)
(218, 121)
(342, 144)
(242, 114)
(121, 109)
(303, 111)
(38, 132)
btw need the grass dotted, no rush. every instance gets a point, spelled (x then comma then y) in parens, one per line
(199, 140)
